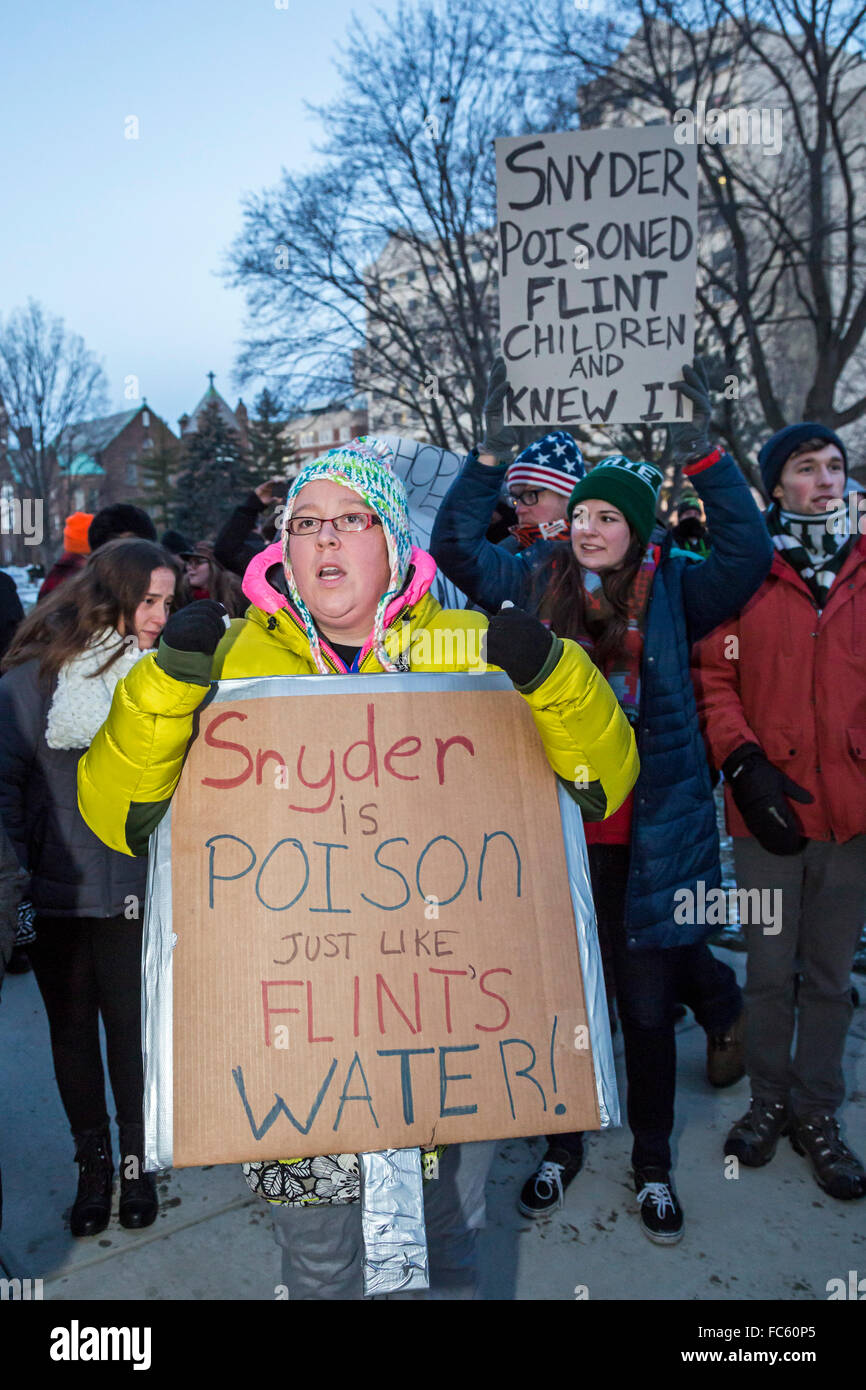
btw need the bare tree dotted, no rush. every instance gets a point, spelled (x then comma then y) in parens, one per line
(378, 271)
(782, 266)
(49, 379)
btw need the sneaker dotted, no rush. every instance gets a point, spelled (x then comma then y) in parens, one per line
(754, 1137)
(544, 1191)
(661, 1215)
(836, 1168)
(726, 1056)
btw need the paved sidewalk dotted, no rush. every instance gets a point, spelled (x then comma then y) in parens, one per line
(767, 1234)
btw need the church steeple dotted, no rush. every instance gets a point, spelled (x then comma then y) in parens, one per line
(189, 422)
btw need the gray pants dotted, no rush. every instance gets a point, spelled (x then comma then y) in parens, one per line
(823, 899)
(323, 1250)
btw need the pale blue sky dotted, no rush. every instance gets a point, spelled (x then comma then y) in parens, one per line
(122, 237)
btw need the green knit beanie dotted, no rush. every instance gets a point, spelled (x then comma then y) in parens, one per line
(632, 487)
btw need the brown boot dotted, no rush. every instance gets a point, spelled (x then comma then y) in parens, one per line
(726, 1057)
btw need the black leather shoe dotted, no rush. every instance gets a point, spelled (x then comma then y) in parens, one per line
(139, 1204)
(92, 1207)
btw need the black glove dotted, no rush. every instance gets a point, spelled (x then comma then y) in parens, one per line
(518, 643)
(691, 439)
(199, 627)
(761, 794)
(189, 640)
(500, 439)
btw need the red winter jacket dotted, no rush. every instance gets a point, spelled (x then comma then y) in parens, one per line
(69, 563)
(795, 683)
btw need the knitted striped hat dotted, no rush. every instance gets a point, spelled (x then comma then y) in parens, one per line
(553, 462)
(364, 466)
(632, 487)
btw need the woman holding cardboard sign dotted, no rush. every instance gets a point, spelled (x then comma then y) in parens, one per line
(342, 593)
(636, 606)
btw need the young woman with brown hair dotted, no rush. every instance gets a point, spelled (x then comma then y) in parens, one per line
(61, 670)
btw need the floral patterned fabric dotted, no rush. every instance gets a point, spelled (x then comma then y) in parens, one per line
(333, 1178)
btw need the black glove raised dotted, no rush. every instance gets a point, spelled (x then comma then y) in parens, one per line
(500, 439)
(199, 627)
(761, 794)
(518, 643)
(691, 438)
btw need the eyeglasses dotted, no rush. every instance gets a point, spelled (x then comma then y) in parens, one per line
(350, 523)
(528, 497)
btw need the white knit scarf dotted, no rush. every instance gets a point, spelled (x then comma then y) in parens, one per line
(82, 699)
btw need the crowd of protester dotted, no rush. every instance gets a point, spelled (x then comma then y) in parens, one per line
(730, 643)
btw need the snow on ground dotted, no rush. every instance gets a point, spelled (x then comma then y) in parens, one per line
(27, 588)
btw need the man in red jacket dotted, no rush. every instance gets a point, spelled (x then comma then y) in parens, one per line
(782, 699)
(76, 548)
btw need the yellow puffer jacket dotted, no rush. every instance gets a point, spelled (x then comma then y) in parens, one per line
(127, 777)
(131, 769)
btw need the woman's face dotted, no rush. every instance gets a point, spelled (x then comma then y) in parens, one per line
(600, 535)
(340, 575)
(154, 611)
(198, 571)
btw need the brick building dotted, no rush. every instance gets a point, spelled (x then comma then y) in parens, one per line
(98, 460)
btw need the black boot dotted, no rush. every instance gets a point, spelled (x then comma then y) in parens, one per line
(756, 1134)
(836, 1167)
(138, 1200)
(92, 1206)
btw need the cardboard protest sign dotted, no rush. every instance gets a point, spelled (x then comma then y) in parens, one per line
(598, 255)
(374, 939)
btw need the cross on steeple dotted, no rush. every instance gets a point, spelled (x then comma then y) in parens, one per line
(210, 377)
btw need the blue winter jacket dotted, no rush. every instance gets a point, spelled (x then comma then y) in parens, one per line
(674, 842)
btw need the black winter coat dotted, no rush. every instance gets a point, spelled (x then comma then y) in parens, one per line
(674, 841)
(238, 541)
(72, 873)
(11, 611)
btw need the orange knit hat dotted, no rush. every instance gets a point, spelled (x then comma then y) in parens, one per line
(75, 533)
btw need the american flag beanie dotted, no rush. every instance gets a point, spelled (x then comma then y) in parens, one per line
(553, 462)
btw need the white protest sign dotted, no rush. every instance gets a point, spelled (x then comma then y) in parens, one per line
(598, 257)
(427, 472)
